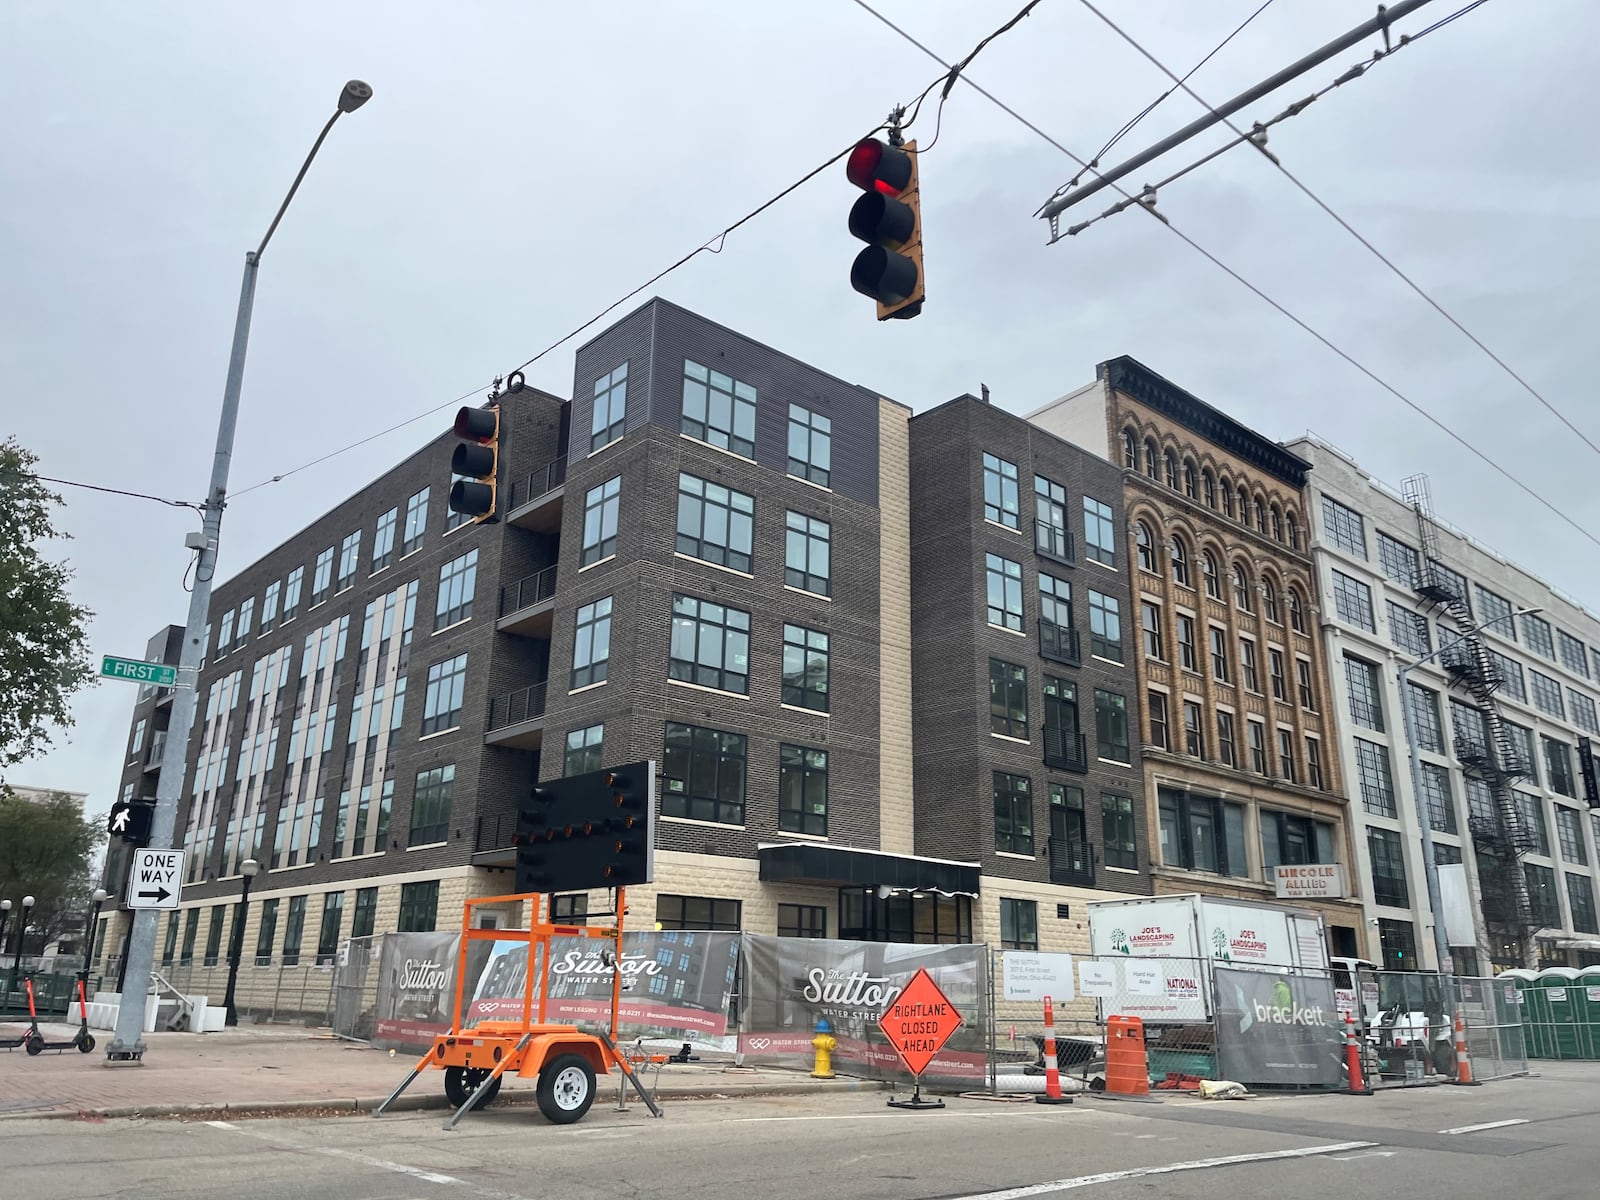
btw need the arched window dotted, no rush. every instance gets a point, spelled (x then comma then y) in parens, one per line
(1227, 499)
(1294, 533)
(1170, 462)
(1241, 589)
(1277, 524)
(1180, 562)
(1191, 485)
(1297, 611)
(1130, 450)
(1150, 459)
(1261, 515)
(1208, 488)
(1208, 568)
(1244, 507)
(1146, 547)
(1269, 601)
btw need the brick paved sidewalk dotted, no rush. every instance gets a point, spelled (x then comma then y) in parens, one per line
(242, 1069)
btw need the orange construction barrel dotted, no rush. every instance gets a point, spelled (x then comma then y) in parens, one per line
(1127, 1063)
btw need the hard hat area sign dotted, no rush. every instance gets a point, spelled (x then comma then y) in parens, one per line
(919, 1022)
(155, 880)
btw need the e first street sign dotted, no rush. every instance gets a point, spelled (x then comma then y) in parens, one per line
(131, 669)
(919, 1022)
(155, 880)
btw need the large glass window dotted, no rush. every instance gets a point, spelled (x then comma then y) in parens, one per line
(1377, 785)
(802, 921)
(1117, 832)
(601, 506)
(322, 577)
(703, 774)
(585, 750)
(458, 584)
(1573, 655)
(1510, 672)
(383, 540)
(1008, 699)
(267, 931)
(293, 931)
(1496, 610)
(698, 912)
(1019, 924)
(1013, 813)
(416, 521)
(269, 605)
(1399, 561)
(1099, 532)
(1437, 797)
(591, 643)
(1569, 835)
(441, 707)
(1202, 833)
(1000, 492)
(430, 805)
(1558, 766)
(1004, 592)
(1547, 694)
(807, 551)
(719, 410)
(810, 446)
(1352, 600)
(328, 934)
(1536, 634)
(1388, 868)
(1105, 626)
(1344, 527)
(803, 790)
(1583, 711)
(1366, 692)
(805, 667)
(610, 408)
(1542, 895)
(1408, 630)
(715, 523)
(419, 907)
(1050, 535)
(1580, 897)
(1111, 726)
(710, 645)
(1058, 639)
(1425, 714)
(349, 558)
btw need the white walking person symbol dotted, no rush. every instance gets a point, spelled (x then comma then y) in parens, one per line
(119, 823)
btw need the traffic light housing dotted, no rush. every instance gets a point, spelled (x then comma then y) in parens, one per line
(477, 458)
(888, 217)
(130, 820)
(588, 831)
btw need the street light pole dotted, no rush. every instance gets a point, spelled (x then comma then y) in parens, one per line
(127, 1043)
(22, 936)
(248, 870)
(5, 919)
(99, 897)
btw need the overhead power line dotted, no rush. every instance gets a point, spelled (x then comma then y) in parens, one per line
(96, 487)
(1350, 229)
(1253, 288)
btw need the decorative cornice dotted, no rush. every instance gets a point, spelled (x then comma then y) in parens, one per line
(1132, 377)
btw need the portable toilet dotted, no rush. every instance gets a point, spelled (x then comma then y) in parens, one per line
(1559, 985)
(1530, 1003)
(1587, 1004)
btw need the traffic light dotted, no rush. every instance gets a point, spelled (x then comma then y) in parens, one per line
(588, 831)
(477, 458)
(889, 219)
(130, 821)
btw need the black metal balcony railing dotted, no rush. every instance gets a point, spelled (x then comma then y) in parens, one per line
(1437, 586)
(1054, 541)
(1060, 642)
(1071, 861)
(513, 708)
(528, 591)
(494, 832)
(1066, 749)
(539, 481)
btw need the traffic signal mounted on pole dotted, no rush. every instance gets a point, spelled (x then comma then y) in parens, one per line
(130, 821)
(588, 831)
(889, 219)
(477, 458)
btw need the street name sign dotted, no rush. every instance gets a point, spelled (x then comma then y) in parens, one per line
(155, 881)
(159, 674)
(919, 1022)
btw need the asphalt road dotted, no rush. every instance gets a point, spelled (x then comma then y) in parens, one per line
(852, 1147)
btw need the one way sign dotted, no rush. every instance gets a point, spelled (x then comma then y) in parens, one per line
(155, 881)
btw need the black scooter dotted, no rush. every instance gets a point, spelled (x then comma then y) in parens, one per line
(82, 1040)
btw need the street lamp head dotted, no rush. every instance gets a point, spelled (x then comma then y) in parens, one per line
(355, 94)
(5, 906)
(100, 896)
(249, 868)
(27, 902)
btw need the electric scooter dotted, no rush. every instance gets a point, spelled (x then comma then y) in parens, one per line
(82, 1040)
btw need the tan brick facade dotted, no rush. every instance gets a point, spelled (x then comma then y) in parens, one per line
(896, 823)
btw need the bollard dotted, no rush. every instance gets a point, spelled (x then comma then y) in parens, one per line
(1463, 1063)
(1357, 1083)
(1052, 1073)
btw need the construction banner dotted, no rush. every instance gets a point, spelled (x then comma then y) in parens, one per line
(1279, 1029)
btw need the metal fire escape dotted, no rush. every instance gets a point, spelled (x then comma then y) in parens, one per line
(1488, 752)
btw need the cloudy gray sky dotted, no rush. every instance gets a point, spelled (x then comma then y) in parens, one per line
(523, 164)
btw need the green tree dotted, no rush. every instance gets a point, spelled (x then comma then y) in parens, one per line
(44, 656)
(45, 851)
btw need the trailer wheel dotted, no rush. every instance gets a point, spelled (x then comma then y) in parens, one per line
(461, 1082)
(566, 1089)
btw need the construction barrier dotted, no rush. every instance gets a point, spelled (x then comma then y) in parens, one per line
(1127, 1064)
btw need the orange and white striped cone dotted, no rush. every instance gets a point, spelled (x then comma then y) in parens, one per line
(1463, 1062)
(1355, 1083)
(1052, 1073)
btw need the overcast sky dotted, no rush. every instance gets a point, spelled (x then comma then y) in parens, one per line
(521, 165)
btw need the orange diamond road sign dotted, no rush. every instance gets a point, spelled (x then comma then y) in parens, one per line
(919, 1022)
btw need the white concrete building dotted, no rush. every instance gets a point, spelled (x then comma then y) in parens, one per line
(1371, 560)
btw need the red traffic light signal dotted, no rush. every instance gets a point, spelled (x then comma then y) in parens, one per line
(889, 219)
(477, 459)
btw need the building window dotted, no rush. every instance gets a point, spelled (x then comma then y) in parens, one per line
(719, 410)
(1510, 672)
(802, 921)
(1241, 589)
(364, 919)
(1547, 695)
(1344, 527)
(328, 934)
(600, 508)
(1558, 766)
(1191, 484)
(805, 668)
(710, 645)
(1180, 562)
(1525, 761)
(458, 584)
(441, 708)
(1212, 577)
(1569, 834)
(803, 790)
(806, 553)
(1194, 741)
(1247, 665)
(1425, 716)
(1058, 639)
(704, 774)
(1019, 924)
(1388, 868)
(1297, 611)
(267, 931)
(1542, 896)
(247, 611)
(430, 805)
(383, 540)
(1366, 693)
(1008, 699)
(219, 914)
(1258, 746)
(573, 908)
(1117, 831)
(1377, 786)
(1169, 464)
(1150, 621)
(294, 931)
(1573, 656)
(419, 907)
(1536, 633)
(697, 913)
(269, 605)
(1202, 833)
(1000, 492)
(1130, 449)
(1063, 744)
(1188, 654)
(1408, 630)
(1313, 762)
(591, 643)
(1004, 592)
(1583, 711)
(1144, 544)
(1352, 600)
(1227, 497)
(1219, 654)
(610, 408)
(1013, 814)
(1452, 581)
(585, 750)
(1050, 534)
(1398, 560)
(1580, 897)
(1069, 849)
(1293, 840)
(1286, 766)
(715, 523)
(416, 522)
(1280, 685)
(349, 558)
(810, 446)
(137, 744)
(1105, 626)
(1111, 726)
(322, 578)
(1496, 610)
(225, 633)
(1269, 601)
(1160, 720)
(1302, 670)
(1150, 467)
(1099, 533)
(1227, 749)
(1208, 487)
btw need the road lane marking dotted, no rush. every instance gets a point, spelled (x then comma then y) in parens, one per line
(1485, 1125)
(1198, 1164)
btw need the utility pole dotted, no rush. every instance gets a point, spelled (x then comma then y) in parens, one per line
(127, 1042)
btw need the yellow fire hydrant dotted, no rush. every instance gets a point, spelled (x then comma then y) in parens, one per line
(824, 1044)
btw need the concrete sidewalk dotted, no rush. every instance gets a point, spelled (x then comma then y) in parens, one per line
(266, 1068)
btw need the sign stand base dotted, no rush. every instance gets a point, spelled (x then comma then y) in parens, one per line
(916, 1103)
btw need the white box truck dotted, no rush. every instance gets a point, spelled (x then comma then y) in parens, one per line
(1185, 937)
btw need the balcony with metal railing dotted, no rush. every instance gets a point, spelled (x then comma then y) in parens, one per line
(534, 501)
(516, 719)
(1052, 541)
(1060, 643)
(527, 607)
(1066, 750)
(1071, 862)
(158, 747)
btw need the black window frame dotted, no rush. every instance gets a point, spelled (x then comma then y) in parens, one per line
(431, 799)
(446, 683)
(813, 429)
(806, 539)
(416, 529)
(1007, 574)
(800, 770)
(383, 533)
(458, 587)
(742, 401)
(1106, 718)
(802, 921)
(1118, 832)
(602, 510)
(591, 627)
(803, 685)
(1344, 527)
(1008, 699)
(1099, 522)
(1105, 611)
(1013, 813)
(704, 621)
(722, 915)
(1019, 924)
(419, 907)
(731, 752)
(587, 753)
(610, 403)
(698, 497)
(1001, 505)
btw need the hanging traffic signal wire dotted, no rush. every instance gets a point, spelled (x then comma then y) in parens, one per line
(1255, 290)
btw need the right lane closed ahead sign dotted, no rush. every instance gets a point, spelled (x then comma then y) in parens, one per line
(919, 1022)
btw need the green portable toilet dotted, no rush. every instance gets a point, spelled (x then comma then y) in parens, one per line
(1559, 985)
(1587, 1005)
(1530, 1002)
